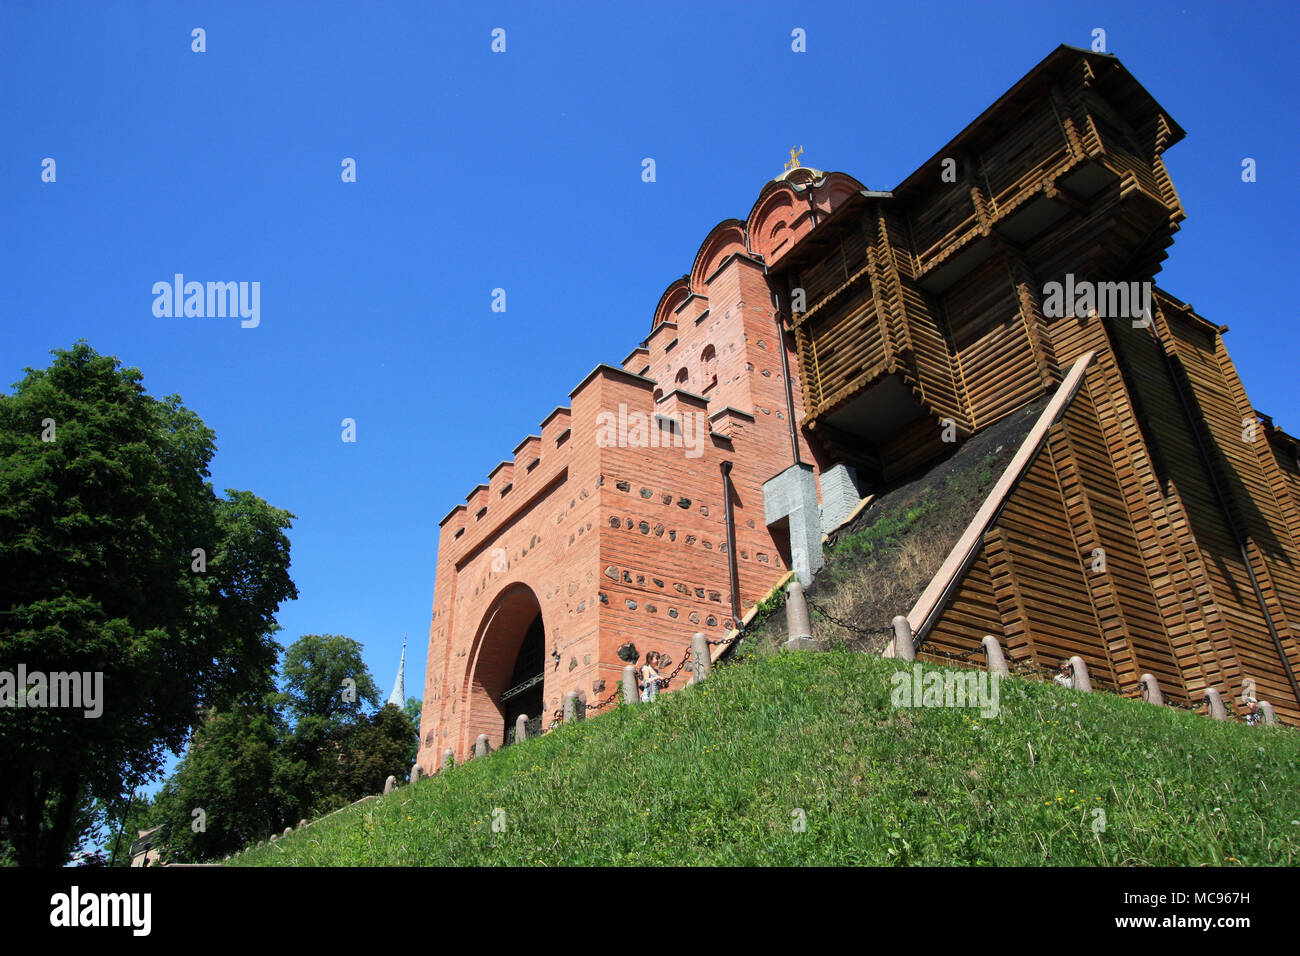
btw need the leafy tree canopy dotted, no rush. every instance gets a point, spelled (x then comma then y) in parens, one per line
(383, 745)
(229, 790)
(104, 499)
(325, 678)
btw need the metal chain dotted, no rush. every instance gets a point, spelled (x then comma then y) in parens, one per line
(664, 682)
(857, 629)
(603, 703)
(962, 658)
(1020, 665)
(557, 718)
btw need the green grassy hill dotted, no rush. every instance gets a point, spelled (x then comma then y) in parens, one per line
(726, 772)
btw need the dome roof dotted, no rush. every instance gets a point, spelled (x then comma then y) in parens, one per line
(800, 176)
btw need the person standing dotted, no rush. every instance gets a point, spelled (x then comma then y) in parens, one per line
(650, 677)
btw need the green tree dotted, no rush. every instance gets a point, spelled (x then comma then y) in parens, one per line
(104, 499)
(227, 792)
(414, 707)
(326, 686)
(127, 818)
(383, 744)
(325, 677)
(255, 768)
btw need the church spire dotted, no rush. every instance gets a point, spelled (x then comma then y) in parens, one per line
(398, 697)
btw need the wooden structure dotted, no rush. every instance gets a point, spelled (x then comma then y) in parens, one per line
(838, 339)
(1157, 526)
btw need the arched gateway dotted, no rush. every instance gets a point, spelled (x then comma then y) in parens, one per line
(507, 676)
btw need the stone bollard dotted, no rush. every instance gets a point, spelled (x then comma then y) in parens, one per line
(1215, 699)
(481, 746)
(701, 663)
(570, 706)
(448, 760)
(521, 728)
(798, 625)
(629, 685)
(301, 824)
(1151, 690)
(904, 649)
(415, 773)
(993, 656)
(287, 831)
(390, 784)
(1079, 675)
(1270, 716)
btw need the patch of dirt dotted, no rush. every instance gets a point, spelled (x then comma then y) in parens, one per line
(1000, 441)
(878, 564)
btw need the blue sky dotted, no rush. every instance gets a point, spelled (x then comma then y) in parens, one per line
(522, 171)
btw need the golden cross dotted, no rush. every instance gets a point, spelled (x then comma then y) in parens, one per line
(794, 158)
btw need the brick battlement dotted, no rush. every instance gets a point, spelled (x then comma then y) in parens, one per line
(611, 522)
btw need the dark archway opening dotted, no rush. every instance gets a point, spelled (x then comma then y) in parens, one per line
(523, 694)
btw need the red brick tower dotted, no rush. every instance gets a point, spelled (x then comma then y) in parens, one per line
(611, 525)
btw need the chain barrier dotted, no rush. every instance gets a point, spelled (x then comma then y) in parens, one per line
(855, 628)
(958, 658)
(557, 718)
(1020, 666)
(1029, 667)
(664, 682)
(603, 703)
(725, 640)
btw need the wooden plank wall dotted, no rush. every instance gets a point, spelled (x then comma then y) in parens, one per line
(1035, 148)
(1239, 464)
(976, 349)
(1120, 474)
(931, 287)
(846, 348)
(1161, 532)
(934, 372)
(994, 355)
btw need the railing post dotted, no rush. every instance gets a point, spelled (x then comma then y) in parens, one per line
(1079, 678)
(448, 759)
(521, 728)
(701, 663)
(390, 784)
(570, 706)
(415, 773)
(997, 663)
(629, 685)
(798, 625)
(1217, 710)
(1270, 716)
(1151, 690)
(481, 746)
(904, 649)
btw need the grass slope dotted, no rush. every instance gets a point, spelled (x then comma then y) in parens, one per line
(721, 773)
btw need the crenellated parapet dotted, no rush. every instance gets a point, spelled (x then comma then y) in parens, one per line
(539, 460)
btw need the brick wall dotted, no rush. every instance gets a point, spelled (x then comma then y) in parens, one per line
(623, 540)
